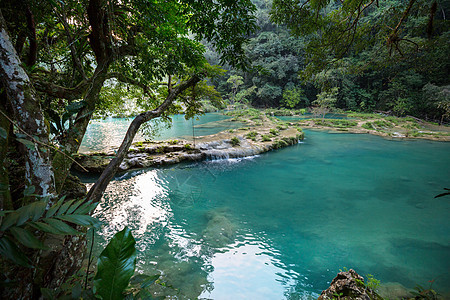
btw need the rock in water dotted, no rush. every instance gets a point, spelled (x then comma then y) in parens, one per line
(219, 231)
(348, 285)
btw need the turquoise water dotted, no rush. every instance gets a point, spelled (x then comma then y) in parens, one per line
(281, 225)
(103, 134)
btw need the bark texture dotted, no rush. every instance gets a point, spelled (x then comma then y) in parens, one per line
(28, 116)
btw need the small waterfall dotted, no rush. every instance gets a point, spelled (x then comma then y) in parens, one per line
(223, 150)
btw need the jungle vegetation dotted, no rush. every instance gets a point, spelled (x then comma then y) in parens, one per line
(390, 56)
(63, 62)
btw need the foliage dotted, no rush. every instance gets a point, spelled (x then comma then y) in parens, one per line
(423, 293)
(251, 135)
(274, 132)
(19, 226)
(235, 141)
(294, 97)
(325, 102)
(116, 266)
(266, 138)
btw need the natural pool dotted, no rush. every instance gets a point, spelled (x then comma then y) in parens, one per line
(103, 134)
(281, 225)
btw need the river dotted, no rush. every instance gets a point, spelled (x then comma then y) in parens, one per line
(282, 224)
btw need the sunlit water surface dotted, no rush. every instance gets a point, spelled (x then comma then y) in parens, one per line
(281, 225)
(103, 134)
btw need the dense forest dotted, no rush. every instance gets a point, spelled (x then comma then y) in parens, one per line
(63, 63)
(387, 56)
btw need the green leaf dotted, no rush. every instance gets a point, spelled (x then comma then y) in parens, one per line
(61, 227)
(10, 220)
(33, 210)
(74, 206)
(83, 220)
(26, 238)
(44, 227)
(116, 265)
(9, 250)
(54, 207)
(64, 207)
(27, 143)
(86, 208)
(3, 133)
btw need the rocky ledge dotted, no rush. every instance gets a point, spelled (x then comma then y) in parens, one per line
(238, 143)
(349, 285)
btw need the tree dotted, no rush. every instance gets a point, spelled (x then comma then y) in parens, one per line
(325, 102)
(235, 81)
(71, 49)
(294, 97)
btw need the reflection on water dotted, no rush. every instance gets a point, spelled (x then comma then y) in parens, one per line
(282, 224)
(102, 135)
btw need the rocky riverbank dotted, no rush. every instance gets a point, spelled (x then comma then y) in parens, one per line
(257, 137)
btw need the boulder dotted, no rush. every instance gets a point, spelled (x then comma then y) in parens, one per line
(348, 285)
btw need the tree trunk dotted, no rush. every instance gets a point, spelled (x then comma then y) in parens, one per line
(97, 190)
(28, 116)
(61, 163)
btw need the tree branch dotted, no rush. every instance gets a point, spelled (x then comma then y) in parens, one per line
(61, 92)
(122, 78)
(71, 40)
(97, 190)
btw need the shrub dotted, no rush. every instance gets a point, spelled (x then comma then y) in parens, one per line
(235, 141)
(251, 135)
(266, 138)
(368, 126)
(173, 142)
(274, 132)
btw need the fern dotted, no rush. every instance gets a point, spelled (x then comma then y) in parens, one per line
(21, 226)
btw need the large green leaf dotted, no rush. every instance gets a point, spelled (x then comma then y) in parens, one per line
(64, 207)
(116, 266)
(55, 207)
(62, 227)
(10, 220)
(86, 208)
(9, 250)
(83, 220)
(26, 238)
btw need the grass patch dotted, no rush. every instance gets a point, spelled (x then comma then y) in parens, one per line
(266, 138)
(251, 135)
(274, 132)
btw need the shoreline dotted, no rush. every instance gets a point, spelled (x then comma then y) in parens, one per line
(262, 133)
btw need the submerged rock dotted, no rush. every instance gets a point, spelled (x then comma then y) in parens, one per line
(219, 231)
(348, 285)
